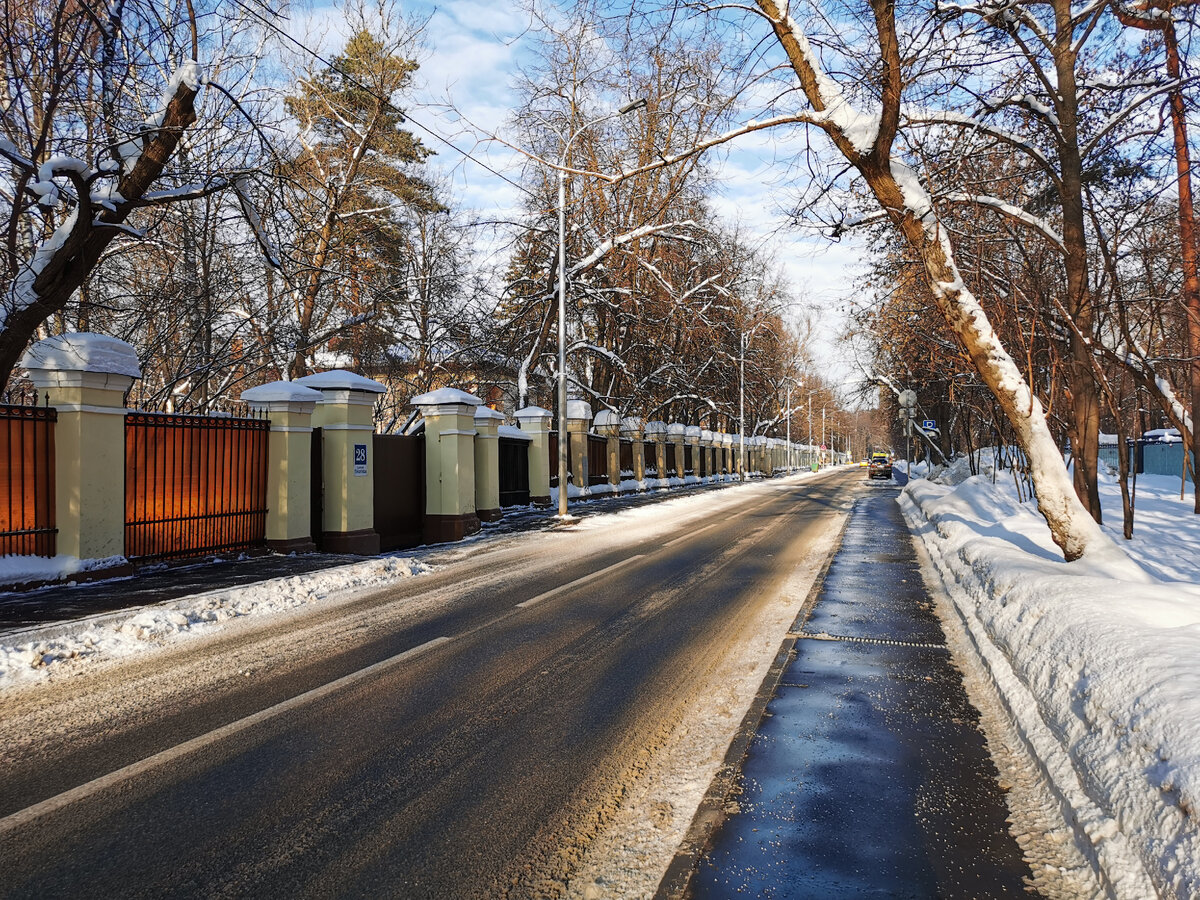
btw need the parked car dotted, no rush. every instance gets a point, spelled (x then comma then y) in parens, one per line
(864, 462)
(880, 466)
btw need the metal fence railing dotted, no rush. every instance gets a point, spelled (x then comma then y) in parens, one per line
(27, 525)
(194, 485)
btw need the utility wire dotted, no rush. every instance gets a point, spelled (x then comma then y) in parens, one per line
(407, 116)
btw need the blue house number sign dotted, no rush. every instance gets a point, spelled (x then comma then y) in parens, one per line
(360, 459)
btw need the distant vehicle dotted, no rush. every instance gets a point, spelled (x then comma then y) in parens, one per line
(880, 466)
(864, 463)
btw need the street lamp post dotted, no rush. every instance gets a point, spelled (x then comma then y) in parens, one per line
(742, 409)
(562, 297)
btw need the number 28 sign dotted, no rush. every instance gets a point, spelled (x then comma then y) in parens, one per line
(360, 459)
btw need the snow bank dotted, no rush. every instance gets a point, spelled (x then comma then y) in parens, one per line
(29, 569)
(1098, 664)
(38, 653)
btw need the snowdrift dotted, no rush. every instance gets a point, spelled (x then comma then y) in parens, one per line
(1097, 662)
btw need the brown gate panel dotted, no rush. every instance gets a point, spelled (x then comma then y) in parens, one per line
(626, 455)
(399, 490)
(27, 475)
(688, 463)
(597, 453)
(650, 453)
(194, 485)
(554, 460)
(672, 463)
(514, 472)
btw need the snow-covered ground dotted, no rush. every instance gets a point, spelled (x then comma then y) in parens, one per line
(1096, 668)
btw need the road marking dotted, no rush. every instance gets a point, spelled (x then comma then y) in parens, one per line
(29, 814)
(563, 588)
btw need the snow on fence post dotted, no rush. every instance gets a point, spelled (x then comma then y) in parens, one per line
(487, 463)
(608, 424)
(345, 416)
(579, 420)
(449, 464)
(289, 462)
(535, 422)
(86, 377)
(634, 428)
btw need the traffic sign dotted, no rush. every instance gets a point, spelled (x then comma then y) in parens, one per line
(929, 424)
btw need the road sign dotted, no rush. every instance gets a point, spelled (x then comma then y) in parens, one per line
(929, 424)
(908, 399)
(360, 459)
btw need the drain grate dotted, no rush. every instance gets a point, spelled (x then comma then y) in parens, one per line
(822, 636)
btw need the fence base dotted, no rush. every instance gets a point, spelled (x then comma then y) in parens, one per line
(541, 502)
(293, 545)
(364, 542)
(444, 529)
(490, 515)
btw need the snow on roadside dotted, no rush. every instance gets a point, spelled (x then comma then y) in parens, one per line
(35, 653)
(1097, 662)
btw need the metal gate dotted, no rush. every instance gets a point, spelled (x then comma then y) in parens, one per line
(316, 489)
(597, 454)
(672, 462)
(194, 485)
(27, 475)
(399, 490)
(626, 457)
(514, 472)
(650, 453)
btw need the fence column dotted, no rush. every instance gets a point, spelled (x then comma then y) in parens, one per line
(346, 418)
(675, 435)
(289, 462)
(608, 423)
(535, 422)
(487, 463)
(656, 433)
(635, 429)
(86, 377)
(579, 420)
(449, 464)
(692, 436)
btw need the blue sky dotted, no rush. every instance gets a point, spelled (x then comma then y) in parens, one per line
(472, 51)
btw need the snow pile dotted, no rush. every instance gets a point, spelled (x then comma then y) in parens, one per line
(30, 569)
(38, 653)
(1097, 662)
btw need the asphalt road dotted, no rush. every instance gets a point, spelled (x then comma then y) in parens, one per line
(462, 735)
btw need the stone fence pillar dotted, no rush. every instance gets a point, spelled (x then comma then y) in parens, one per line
(633, 428)
(608, 423)
(535, 422)
(449, 464)
(289, 462)
(346, 418)
(87, 376)
(487, 463)
(692, 437)
(579, 420)
(675, 435)
(656, 433)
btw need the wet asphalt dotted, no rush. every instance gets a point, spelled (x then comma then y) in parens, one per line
(868, 774)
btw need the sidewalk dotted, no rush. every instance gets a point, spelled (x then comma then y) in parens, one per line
(867, 774)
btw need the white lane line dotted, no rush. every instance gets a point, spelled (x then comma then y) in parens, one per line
(29, 814)
(692, 534)
(563, 588)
